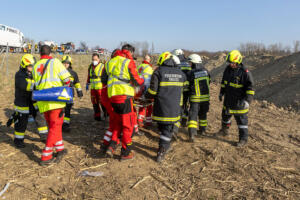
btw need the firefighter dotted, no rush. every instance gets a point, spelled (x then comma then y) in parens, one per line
(166, 87)
(24, 106)
(121, 76)
(145, 70)
(237, 89)
(94, 81)
(185, 67)
(199, 80)
(67, 61)
(49, 72)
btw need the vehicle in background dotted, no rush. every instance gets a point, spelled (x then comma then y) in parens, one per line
(67, 48)
(11, 37)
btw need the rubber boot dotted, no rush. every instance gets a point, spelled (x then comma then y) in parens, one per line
(201, 131)
(66, 127)
(241, 143)
(192, 134)
(47, 162)
(59, 155)
(126, 154)
(224, 130)
(19, 143)
(111, 149)
(161, 154)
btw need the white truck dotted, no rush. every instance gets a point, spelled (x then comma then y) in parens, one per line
(11, 37)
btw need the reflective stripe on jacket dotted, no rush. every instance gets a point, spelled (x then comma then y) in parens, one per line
(53, 76)
(118, 77)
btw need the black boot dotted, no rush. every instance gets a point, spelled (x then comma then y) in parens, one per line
(19, 143)
(192, 134)
(110, 152)
(97, 119)
(202, 130)
(241, 143)
(66, 128)
(47, 162)
(103, 149)
(43, 137)
(59, 155)
(224, 131)
(161, 154)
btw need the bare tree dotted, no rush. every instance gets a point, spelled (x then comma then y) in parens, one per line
(83, 45)
(96, 47)
(144, 48)
(296, 46)
(152, 48)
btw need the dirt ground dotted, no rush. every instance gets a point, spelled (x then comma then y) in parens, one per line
(210, 168)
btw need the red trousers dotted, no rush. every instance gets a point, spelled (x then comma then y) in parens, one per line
(123, 118)
(96, 101)
(145, 111)
(55, 119)
(106, 103)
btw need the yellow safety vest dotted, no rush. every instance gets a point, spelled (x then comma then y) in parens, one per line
(146, 70)
(95, 77)
(118, 77)
(53, 77)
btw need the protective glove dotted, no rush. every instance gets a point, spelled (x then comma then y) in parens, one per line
(220, 97)
(246, 104)
(87, 86)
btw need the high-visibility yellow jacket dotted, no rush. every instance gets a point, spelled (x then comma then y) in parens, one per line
(54, 76)
(94, 78)
(145, 70)
(118, 77)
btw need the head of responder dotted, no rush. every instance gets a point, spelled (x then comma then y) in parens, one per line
(45, 50)
(27, 62)
(95, 59)
(129, 51)
(67, 61)
(195, 60)
(147, 58)
(167, 59)
(234, 59)
(179, 53)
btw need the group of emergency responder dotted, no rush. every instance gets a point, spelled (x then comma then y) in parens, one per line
(174, 94)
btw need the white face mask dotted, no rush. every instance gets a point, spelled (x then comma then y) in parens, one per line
(95, 63)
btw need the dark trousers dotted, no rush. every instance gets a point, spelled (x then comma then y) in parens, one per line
(68, 109)
(198, 110)
(166, 132)
(185, 108)
(242, 122)
(22, 121)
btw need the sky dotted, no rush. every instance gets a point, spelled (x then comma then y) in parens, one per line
(212, 25)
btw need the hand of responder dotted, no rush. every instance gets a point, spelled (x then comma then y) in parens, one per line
(246, 105)
(220, 97)
(87, 87)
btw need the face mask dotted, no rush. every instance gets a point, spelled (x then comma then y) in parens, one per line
(95, 63)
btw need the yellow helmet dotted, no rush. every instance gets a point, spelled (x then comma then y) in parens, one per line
(163, 57)
(27, 60)
(67, 59)
(234, 57)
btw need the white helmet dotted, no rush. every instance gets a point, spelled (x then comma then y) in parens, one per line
(195, 58)
(176, 59)
(178, 52)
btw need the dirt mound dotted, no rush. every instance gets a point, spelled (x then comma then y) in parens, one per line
(279, 81)
(215, 61)
(277, 78)
(211, 168)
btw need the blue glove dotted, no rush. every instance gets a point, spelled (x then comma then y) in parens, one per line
(87, 86)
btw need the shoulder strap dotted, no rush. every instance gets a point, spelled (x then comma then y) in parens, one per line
(44, 70)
